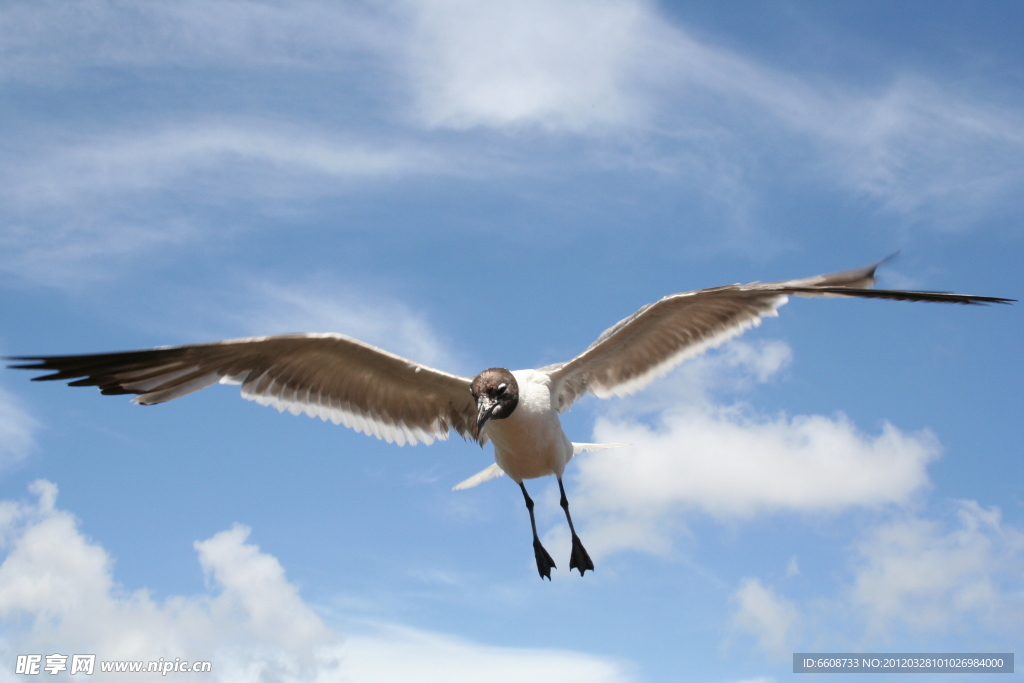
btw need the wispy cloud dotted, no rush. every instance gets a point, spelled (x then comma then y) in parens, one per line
(920, 573)
(265, 153)
(621, 70)
(70, 253)
(17, 431)
(252, 307)
(911, 576)
(324, 305)
(761, 613)
(271, 159)
(618, 68)
(642, 92)
(58, 594)
(53, 40)
(73, 210)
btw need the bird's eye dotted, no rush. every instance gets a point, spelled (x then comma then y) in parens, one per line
(502, 388)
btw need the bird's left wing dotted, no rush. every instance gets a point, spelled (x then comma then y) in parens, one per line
(659, 336)
(329, 376)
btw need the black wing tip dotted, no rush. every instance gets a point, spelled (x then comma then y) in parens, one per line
(903, 295)
(113, 390)
(946, 297)
(34, 363)
(83, 381)
(964, 299)
(61, 373)
(46, 378)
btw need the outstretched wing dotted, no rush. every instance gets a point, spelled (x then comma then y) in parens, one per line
(329, 376)
(660, 336)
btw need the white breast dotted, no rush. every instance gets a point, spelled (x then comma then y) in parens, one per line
(530, 442)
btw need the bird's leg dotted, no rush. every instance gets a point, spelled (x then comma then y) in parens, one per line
(580, 559)
(544, 562)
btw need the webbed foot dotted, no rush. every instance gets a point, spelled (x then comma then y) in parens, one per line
(544, 562)
(580, 559)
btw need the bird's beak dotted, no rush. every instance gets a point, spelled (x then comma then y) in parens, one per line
(484, 407)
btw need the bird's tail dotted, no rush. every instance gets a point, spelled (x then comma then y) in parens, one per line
(491, 472)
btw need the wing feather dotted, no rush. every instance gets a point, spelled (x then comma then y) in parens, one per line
(329, 376)
(660, 336)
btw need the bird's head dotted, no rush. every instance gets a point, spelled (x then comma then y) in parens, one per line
(497, 395)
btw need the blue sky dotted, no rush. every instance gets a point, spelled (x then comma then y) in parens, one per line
(479, 184)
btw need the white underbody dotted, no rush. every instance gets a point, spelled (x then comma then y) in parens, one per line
(530, 442)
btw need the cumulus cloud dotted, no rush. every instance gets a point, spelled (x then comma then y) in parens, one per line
(730, 461)
(764, 615)
(58, 594)
(60, 586)
(17, 431)
(919, 573)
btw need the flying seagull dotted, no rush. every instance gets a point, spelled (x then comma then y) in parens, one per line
(375, 392)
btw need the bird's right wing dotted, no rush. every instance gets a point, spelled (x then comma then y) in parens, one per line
(659, 336)
(329, 376)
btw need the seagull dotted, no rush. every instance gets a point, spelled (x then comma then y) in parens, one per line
(349, 382)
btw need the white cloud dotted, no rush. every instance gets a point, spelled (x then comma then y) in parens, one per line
(17, 431)
(58, 594)
(403, 654)
(761, 613)
(737, 366)
(254, 584)
(58, 585)
(730, 461)
(568, 65)
(915, 572)
(160, 157)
